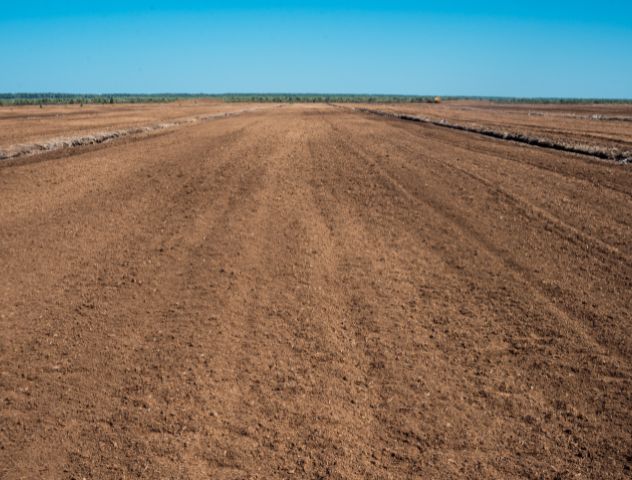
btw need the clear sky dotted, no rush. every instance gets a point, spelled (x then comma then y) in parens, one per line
(441, 47)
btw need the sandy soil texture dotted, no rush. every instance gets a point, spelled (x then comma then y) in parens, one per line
(310, 292)
(22, 127)
(601, 126)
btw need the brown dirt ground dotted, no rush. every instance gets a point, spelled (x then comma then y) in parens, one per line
(307, 292)
(566, 123)
(26, 124)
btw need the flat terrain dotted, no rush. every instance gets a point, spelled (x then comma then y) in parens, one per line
(31, 124)
(313, 292)
(598, 125)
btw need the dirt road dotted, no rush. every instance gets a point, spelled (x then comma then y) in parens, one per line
(308, 292)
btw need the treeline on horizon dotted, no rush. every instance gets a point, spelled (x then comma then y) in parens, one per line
(69, 98)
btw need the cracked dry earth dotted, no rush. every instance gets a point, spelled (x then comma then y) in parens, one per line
(307, 292)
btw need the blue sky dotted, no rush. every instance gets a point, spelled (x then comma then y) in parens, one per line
(537, 48)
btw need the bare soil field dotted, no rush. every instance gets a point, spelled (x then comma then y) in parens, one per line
(316, 292)
(24, 128)
(603, 127)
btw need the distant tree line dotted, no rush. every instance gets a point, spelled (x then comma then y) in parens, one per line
(544, 100)
(326, 98)
(66, 98)
(69, 98)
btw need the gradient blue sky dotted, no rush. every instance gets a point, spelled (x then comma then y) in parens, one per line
(504, 48)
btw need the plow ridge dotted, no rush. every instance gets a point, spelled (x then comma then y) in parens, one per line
(57, 143)
(311, 292)
(591, 150)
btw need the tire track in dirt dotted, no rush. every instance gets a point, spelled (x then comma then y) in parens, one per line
(533, 209)
(582, 169)
(120, 275)
(306, 293)
(613, 366)
(616, 319)
(484, 168)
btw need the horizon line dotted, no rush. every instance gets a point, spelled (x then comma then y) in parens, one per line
(298, 94)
